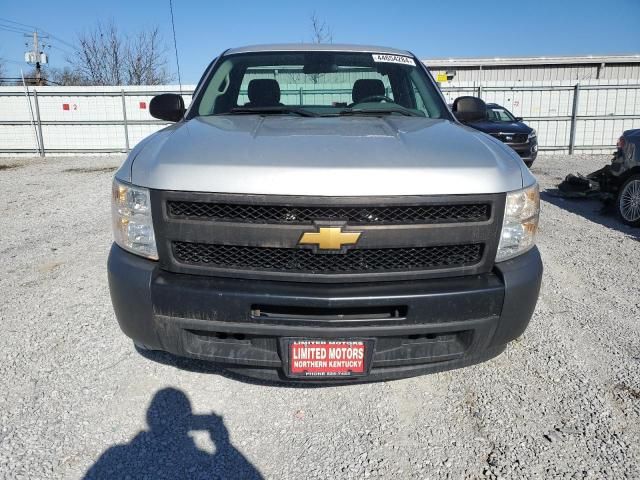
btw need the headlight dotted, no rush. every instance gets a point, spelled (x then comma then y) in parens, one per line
(533, 134)
(520, 223)
(132, 223)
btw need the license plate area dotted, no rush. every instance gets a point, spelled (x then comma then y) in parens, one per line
(327, 358)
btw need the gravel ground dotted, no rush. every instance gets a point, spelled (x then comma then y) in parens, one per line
(562, 402)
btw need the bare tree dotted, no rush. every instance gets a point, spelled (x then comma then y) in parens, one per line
(321, 32)
(145, 60)
(107, 57)
(29, 77)
(100, 56)
(64, 76)
(54, 76)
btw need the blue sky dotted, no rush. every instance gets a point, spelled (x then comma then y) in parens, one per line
(428, 28)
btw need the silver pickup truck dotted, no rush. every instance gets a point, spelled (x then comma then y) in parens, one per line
(318, 214)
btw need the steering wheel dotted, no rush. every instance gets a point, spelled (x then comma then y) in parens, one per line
(376, 98)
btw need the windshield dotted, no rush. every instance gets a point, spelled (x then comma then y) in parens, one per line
(319, 84)
(499, 114)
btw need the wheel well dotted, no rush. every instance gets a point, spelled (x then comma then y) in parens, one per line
(629, 173)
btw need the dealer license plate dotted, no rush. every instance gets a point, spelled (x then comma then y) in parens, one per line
(328, 358)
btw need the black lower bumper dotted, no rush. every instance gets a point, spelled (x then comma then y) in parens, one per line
(419, 326)
(527, 151)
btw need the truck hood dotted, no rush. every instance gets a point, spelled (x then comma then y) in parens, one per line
(325, 156)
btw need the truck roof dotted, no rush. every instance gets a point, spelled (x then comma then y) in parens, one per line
(317, 47)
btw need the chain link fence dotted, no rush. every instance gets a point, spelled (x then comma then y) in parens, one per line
(586, 117)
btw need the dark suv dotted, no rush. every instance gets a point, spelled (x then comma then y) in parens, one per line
(503, 125)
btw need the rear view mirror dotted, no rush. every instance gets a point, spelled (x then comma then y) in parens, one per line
(319, 62)
(518, 119)
(168, 106)
(319, 68)
(469, 109)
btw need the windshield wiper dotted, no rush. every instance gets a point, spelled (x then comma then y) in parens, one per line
(379, 111)
(275, 110)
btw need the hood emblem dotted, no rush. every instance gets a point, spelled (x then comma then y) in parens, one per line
(329, 238)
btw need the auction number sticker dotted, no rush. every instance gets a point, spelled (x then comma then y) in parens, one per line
(386, 58)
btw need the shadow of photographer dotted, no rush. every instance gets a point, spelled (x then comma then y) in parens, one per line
(166, 450)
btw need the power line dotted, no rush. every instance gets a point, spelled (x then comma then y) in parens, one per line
(24, 29)
(175, 44)
(12, 25)
(10, 29)
(60, 48)
(70, 45)
(30, 28)
(17, 23)
(48, 44)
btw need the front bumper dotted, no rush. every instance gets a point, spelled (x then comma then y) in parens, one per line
(527, 151)
(437, 324)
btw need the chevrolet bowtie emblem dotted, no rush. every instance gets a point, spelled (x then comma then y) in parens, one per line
(329, 238)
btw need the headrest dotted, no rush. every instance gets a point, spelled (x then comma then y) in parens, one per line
(366, 87)
(264, 92)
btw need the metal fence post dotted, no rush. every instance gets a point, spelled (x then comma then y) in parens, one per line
(38, 122)
(124, 117)
(480, 91)
(300, 97)
(574, 114)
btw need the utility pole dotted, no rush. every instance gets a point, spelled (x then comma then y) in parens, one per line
(36, 52)
(36, 56)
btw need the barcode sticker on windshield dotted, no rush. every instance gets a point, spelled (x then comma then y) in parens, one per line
(379, 57)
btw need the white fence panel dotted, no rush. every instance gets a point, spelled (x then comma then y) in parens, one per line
(115, 119)
(605, 108)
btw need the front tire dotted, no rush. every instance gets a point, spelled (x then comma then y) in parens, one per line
(628, 201)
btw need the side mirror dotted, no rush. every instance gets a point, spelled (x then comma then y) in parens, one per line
(168, 106)
(469, 109)
(519, 119)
